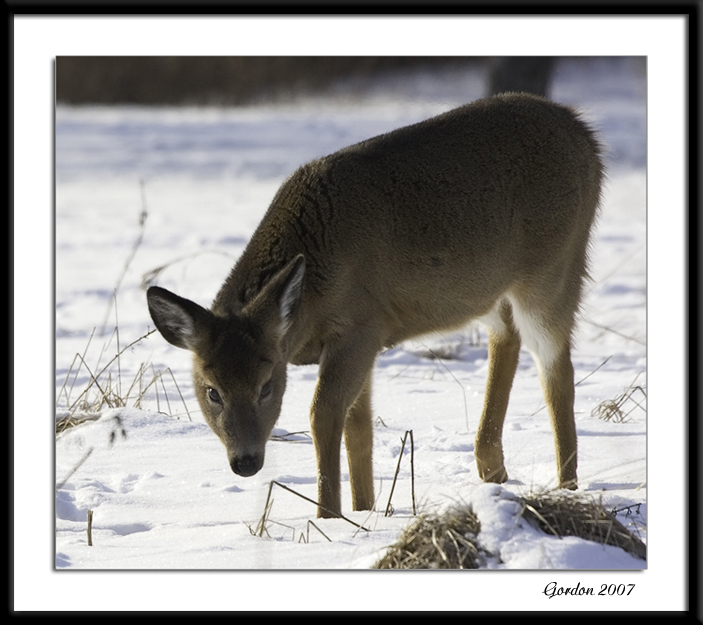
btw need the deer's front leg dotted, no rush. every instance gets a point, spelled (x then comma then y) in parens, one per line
(358, 440)
(344, 369)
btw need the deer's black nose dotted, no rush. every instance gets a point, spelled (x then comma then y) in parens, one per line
(246, 466)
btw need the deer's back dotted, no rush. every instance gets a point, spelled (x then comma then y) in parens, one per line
(440, 215)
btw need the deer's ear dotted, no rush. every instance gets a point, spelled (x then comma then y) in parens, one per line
(181, 322)
(290, 293)
(276, 305)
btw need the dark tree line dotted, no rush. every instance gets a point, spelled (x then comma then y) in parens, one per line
(245, 80)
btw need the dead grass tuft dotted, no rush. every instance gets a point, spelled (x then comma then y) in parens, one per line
(444, 541)
(581, 516)
(104, 387)
(619, 409)
(449, 540)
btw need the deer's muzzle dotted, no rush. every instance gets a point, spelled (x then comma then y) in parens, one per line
(246, 466)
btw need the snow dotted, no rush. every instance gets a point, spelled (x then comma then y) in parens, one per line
(163, 497)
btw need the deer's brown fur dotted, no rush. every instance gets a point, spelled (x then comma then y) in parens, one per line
(483, 212)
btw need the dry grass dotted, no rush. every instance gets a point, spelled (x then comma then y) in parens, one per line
(262, 526)
(444, 541)
(619, 409)
(105, 389)
(580, 516)
(449, 540)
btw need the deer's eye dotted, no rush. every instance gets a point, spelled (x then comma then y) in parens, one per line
(265, 391)
(214, 396)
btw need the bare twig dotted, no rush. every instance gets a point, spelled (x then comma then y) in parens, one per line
(72, 471)
(117, 336)
(613, 408)
(142, 223)
(543, 406)
(583, 379)
(395, 477)
(179, 392)
(463, 390)
(389, 507)
(106, 388)
(318, 529)
(149, 277)
(68, 373)
(90, 528)
(412, 469)
(260, 527)
(94, 378)
(288, 527)
(607, 329)
(267, 508)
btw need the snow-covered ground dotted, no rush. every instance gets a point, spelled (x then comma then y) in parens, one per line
(162, 493)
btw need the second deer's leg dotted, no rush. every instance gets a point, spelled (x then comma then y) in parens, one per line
(503, 354)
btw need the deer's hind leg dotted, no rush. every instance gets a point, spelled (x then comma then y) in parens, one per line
(545, 326)
(503, 354)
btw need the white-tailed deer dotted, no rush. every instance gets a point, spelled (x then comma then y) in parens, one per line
(483, 212)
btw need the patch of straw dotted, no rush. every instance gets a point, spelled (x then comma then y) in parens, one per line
(105, 389)
(580, 516)
(619, 409)
(449, 540)
(446, 541)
